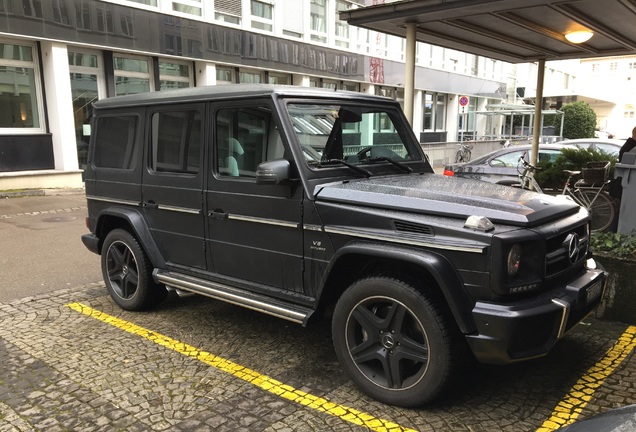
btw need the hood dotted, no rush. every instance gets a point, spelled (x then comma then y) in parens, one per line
(450, 196)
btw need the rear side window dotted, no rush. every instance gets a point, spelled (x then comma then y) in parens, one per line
(176, 141)
(115, 141)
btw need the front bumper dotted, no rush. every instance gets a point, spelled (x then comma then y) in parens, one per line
(529, 328)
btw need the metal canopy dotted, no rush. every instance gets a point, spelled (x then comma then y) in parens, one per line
(516, 31)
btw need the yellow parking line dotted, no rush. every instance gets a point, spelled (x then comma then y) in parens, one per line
(266, 383)
(570, 407)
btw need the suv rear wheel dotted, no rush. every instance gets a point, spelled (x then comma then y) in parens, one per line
(128, 273)
(393, 341)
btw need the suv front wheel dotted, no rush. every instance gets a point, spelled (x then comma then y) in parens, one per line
(128, 273)
(393, 341)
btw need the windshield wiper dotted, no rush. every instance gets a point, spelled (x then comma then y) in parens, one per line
(356, 168)
(400, 165)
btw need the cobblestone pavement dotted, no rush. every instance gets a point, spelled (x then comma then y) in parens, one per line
(65, 370)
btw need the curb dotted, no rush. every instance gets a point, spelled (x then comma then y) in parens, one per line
(40, 192)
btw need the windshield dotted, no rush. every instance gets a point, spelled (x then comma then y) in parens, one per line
(353, 134)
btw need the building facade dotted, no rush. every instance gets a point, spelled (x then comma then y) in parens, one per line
(59, 56)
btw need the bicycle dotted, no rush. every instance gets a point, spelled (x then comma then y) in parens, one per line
(526, 177)
(463, 153)
(586, 191)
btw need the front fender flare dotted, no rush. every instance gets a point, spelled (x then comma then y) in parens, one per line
(442, 271)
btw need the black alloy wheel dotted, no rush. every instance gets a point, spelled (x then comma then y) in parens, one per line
(127, 272)
(393, 341)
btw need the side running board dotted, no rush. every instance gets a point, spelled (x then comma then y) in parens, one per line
(278, 308)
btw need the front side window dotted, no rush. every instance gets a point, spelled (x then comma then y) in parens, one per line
(245, 137)
(19, 90)
(176, 141)
(332, 133)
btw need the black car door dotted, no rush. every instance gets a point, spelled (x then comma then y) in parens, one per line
(254, 231)
(173, 184)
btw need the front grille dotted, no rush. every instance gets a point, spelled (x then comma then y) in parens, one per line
(562, 254)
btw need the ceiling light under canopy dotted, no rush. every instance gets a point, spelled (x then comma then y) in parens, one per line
(579, 36)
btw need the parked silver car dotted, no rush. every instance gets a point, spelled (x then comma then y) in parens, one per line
(502, 166)
(611, 146)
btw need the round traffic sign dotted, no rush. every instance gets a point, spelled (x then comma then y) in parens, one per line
(463, 101)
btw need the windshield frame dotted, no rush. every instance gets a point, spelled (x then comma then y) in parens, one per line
(416, 160)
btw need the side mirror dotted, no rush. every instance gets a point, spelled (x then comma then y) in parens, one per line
(273, 172)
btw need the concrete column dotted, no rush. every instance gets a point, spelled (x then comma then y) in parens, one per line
(536, 133)
(206, 73)
(57, 83)
(409, 78)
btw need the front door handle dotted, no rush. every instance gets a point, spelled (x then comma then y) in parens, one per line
(218, 214)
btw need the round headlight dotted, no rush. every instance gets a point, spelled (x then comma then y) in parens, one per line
(514, 259)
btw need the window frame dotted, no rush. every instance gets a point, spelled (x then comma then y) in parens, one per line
(265, 22)
(33, 64)
(134, 74)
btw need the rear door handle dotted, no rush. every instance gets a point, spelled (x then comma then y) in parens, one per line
(151, 204)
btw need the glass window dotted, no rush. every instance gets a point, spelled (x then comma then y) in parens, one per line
(132, 75)
(176, 142)
(245, 137)
(428, 111)
(115, 143)
(262, 15)
(250, 77)
(510, 159)
(440, 112)
(189, 7)
(145, 2)
(318, 20)
(84, 73)
(19, 92)
(353, 133)
(342, 28)
(174, 75)
(227, 18)
(224, 75)
(276, 78)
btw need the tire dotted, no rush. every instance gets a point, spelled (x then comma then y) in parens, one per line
(127, 273)
(395, 343)
(459, 156)
(603, 210)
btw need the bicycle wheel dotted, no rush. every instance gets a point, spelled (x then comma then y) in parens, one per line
(602, 208)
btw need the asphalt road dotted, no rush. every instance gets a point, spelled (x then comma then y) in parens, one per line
(40, 246)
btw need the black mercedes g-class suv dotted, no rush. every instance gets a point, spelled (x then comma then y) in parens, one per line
(295, 201)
